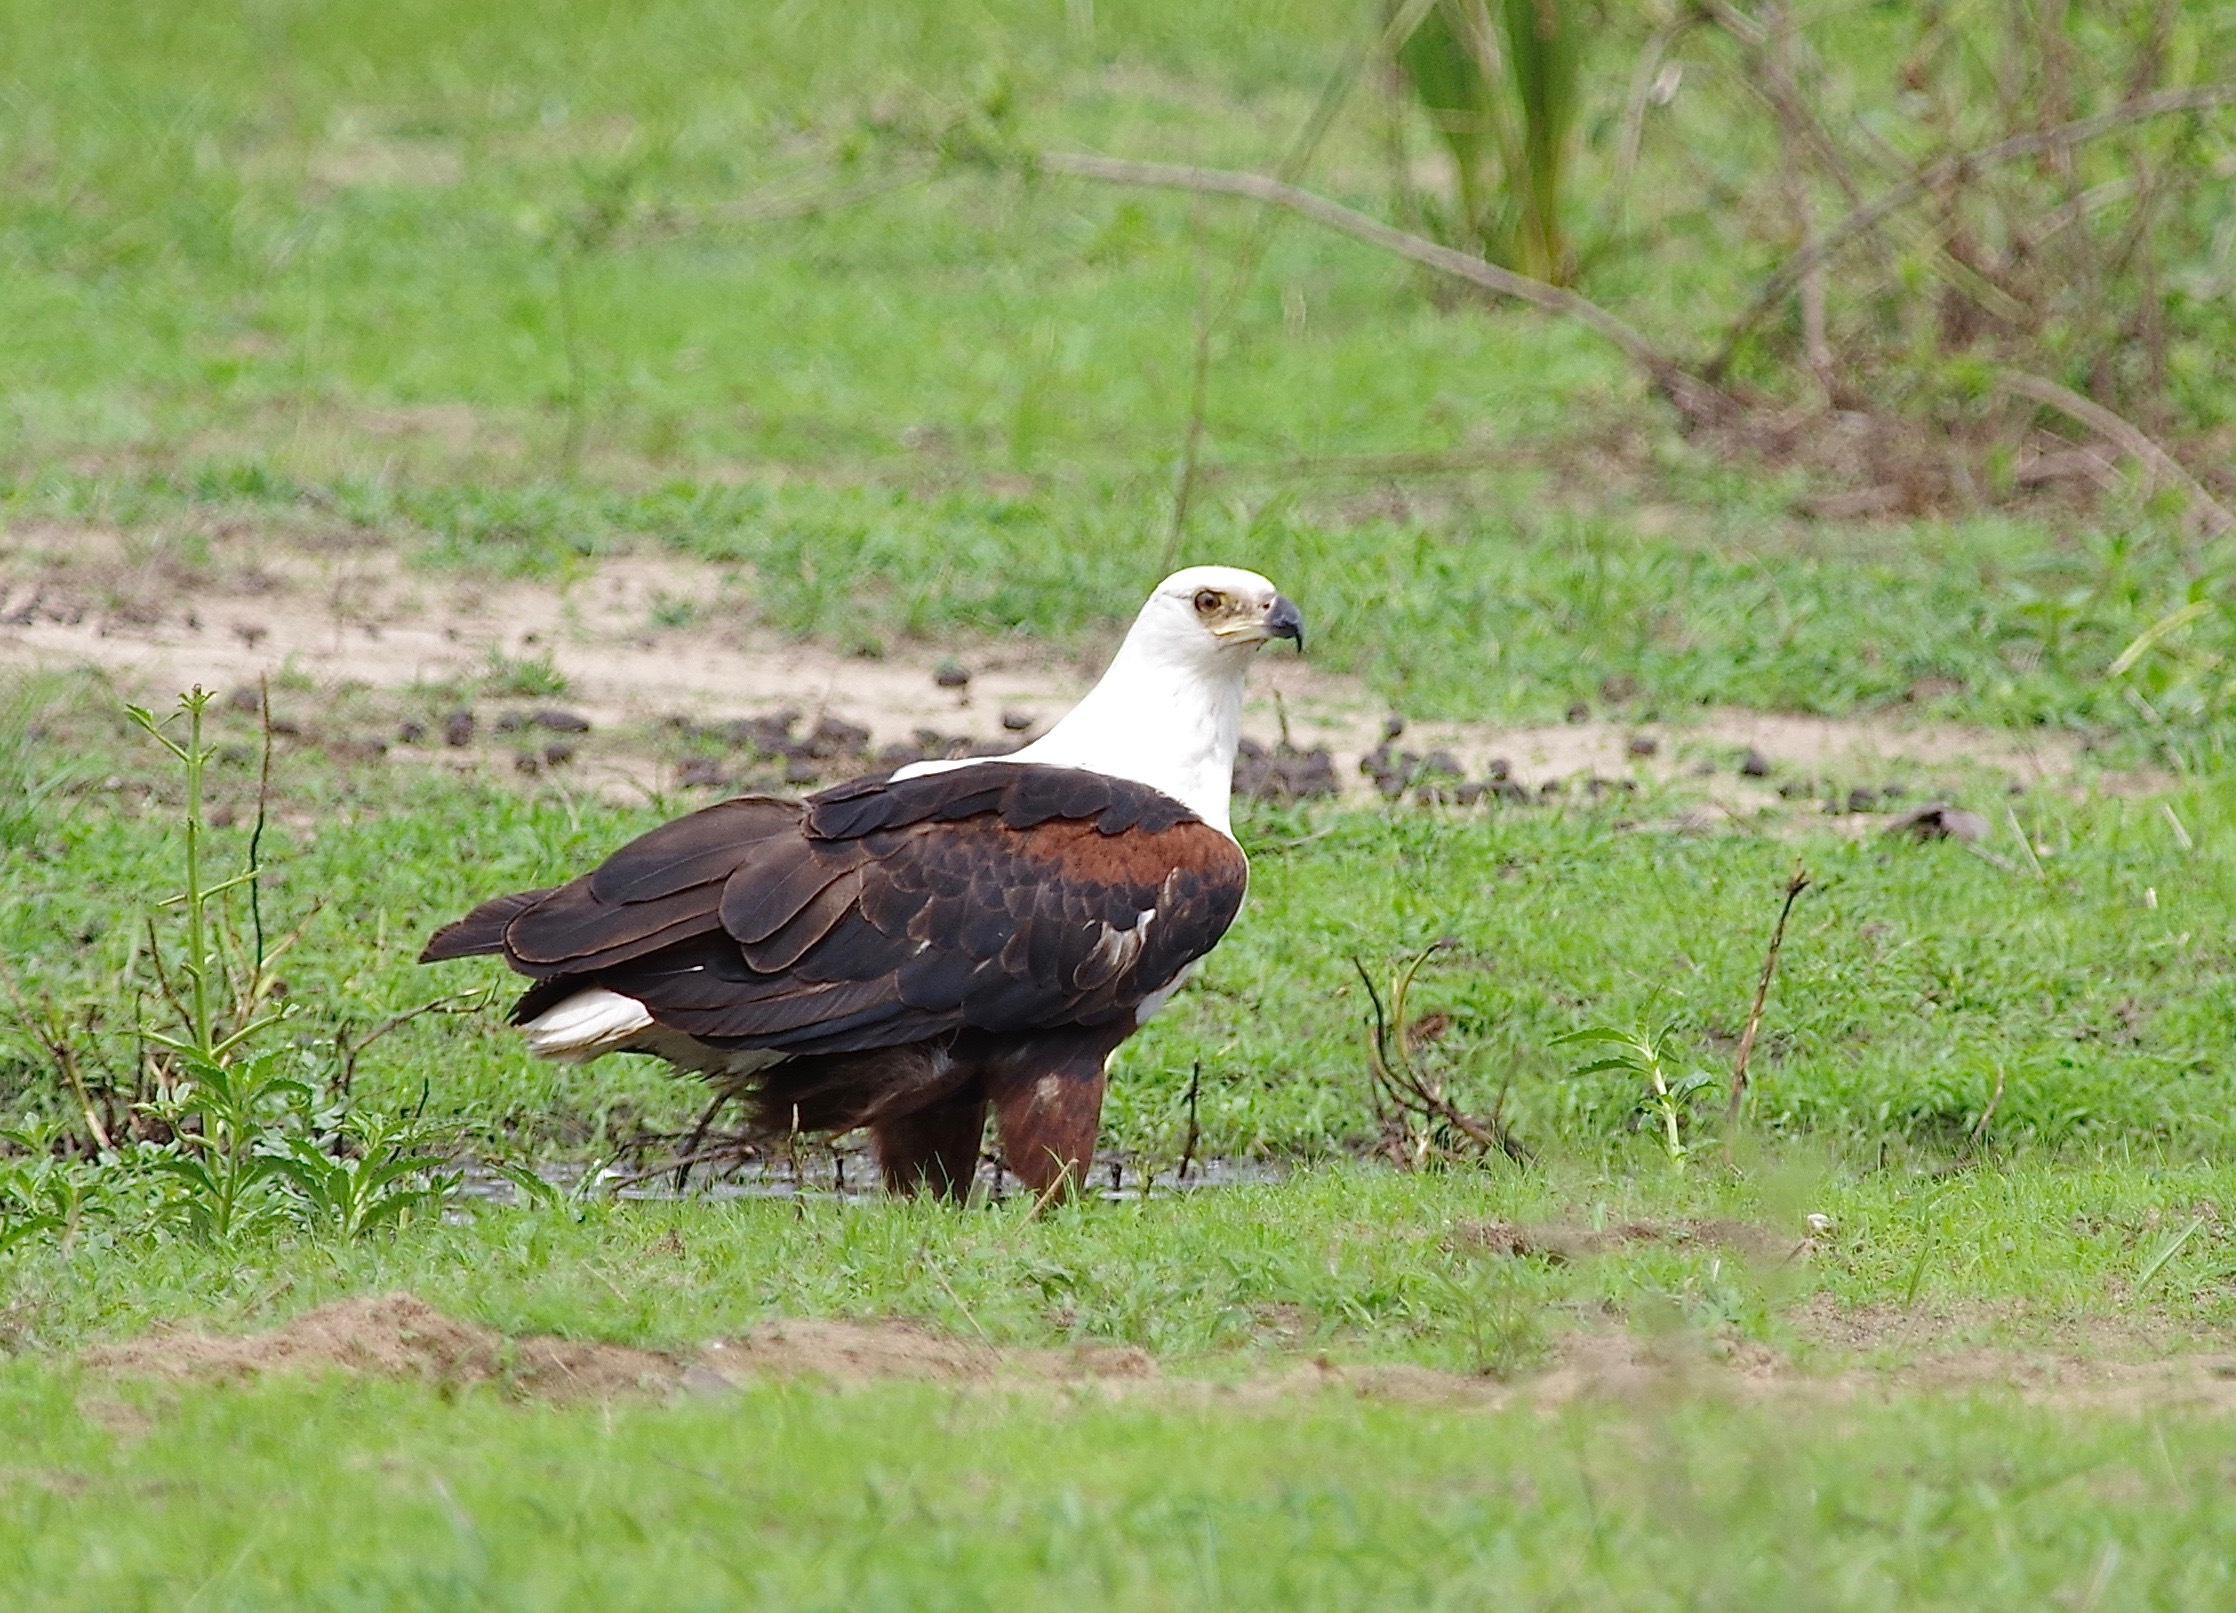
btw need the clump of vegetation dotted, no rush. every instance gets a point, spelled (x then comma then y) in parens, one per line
(226, 1127)
(1501, 86)
(525, 676)
(1983, 222)
(1959, 254)
(1420, 1120)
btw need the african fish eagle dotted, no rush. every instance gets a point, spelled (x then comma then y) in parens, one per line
(901, 952)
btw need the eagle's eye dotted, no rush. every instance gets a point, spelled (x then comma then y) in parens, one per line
(1209, 600)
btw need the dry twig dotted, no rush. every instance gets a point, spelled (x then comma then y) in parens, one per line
(1979, 1129)
(352, 1048)
(691, 1155)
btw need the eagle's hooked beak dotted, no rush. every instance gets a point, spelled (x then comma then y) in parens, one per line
(1284, 620)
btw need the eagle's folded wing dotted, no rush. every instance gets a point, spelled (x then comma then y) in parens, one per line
(999, 897)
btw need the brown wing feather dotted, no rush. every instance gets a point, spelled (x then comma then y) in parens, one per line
(482, 930)
(701, 849)
(660, 889)
(1001, 897)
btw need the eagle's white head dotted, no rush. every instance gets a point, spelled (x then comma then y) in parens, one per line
(1168, 711)
(1210, 618)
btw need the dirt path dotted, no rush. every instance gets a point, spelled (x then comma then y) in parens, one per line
(357, 618)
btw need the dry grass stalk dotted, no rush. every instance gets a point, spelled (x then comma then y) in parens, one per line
(1795, 885)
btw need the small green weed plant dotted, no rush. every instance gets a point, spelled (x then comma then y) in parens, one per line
(1664, 1100)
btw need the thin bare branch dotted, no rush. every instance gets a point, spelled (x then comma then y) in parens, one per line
(1766, 43)
(1408, 1097)
(2028, 239)
(1777, 53)
(1695, 398)
(690, 1153)
(1644, 75)
(1987, 1113)
(163, 974)
(730, 1151)
(1188, 1151)
(2156, 460)
(257, 981)
(353, 1048)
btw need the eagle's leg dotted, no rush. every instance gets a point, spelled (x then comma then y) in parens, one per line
(1048, 1123)
(934, 1149)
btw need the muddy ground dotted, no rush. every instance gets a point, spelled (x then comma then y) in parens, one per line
(634, 676)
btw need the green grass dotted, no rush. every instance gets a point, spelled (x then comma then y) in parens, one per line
(1356, 1261)
(367, 1493)
(369, 230)
(326, 298)
(2082, 1223)
(908, 1498)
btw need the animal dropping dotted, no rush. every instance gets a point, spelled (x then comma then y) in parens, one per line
(904, 952)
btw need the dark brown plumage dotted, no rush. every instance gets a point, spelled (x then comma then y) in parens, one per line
(898, 955)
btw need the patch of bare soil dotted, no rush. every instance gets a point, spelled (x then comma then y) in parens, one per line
(848, 1354)
(2068, 1361)
(1562, 1244)
(393, 1336)
(53, 1480)
(1878, 1352)
(1612, 1365)
(649, 644)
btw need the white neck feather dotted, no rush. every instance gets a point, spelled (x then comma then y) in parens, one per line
(1173, 727)
(1170, 721)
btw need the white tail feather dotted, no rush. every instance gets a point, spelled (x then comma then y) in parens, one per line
(587, 1024)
